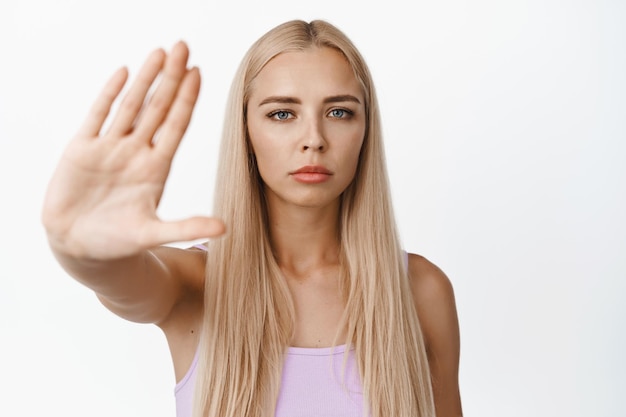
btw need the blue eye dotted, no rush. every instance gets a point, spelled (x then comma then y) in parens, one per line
(340, 113)
(280, 115)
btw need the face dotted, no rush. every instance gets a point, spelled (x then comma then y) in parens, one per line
(306, 123)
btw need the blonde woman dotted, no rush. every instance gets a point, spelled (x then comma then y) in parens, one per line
(302, 302)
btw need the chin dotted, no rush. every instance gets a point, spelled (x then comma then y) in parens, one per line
(313, 200)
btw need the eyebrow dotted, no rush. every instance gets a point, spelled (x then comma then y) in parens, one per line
(292, 100)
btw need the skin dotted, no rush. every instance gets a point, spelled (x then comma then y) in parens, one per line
(306, 108)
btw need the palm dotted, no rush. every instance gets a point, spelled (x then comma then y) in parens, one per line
(102, 200)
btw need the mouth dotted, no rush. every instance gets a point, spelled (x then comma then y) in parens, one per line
(311, 174)
(312, 169)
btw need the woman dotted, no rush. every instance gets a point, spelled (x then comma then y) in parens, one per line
(306, 304)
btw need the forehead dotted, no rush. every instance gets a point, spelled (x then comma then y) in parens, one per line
(313, 72)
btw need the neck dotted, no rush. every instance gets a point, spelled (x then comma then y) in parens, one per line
(304, 238)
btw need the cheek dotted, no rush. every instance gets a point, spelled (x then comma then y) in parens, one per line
(353, 148)
(257, 140)
(264, 148)
(264, 138)
(354, 162)
(349, 159)
(267, 156)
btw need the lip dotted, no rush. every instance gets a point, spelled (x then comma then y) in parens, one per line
(311, 174)
(312, 169)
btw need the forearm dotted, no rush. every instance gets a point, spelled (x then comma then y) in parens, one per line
(135, 287)
(104, 277)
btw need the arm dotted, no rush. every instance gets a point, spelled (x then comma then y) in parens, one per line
(100, 207)
(436, 309)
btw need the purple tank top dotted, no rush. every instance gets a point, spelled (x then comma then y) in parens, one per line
(314, 383)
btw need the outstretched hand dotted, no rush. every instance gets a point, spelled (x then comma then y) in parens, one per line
(102, 200)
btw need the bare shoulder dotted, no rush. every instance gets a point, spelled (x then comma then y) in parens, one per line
(436, 309)
(435, 302)
(429, 283)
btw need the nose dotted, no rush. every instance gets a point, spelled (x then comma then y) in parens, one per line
(313, 137)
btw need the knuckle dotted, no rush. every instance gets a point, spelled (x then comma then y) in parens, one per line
(177, 125)
(131, 103)
(159, 103)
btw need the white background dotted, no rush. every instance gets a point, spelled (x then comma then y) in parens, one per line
(506, 139)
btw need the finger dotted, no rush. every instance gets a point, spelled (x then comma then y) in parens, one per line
(133, 101)
(178, 118)
(185, 230)
(157, 108)
(102, 106)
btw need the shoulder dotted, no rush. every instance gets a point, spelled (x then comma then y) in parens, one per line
(436, 310)
(436, 306)
(430, 285)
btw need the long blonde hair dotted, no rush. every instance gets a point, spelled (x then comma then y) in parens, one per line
(248, 310)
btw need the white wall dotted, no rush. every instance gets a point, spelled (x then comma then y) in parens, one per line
(506, 137)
